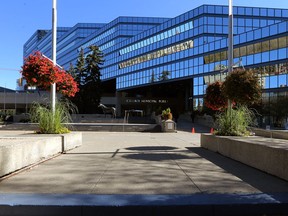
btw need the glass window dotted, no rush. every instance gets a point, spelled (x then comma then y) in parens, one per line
(211, 28)
(273, 44)
(250, 36)
(283, 80)
(243, 51)
(273, 81)
(217, 45)
(256, 22)
(282, 42)
(282, 53)
(224, 43)
(250, 60)
(236, 53)
(242, 38)
(257, 58)
(257, 48)
(270, 12)
(263, 23)
(236, 39)
(265, 46)
(250, 49)
(273, 55)
(219, 21)
(241, 22)
(256, 11)
(196, 92)
(224, 55)
(257, 34)
(218, 9)
(248, 11)
(211, 20)
(217, 57)
(241, 11)
(282, 27)
(263, 12)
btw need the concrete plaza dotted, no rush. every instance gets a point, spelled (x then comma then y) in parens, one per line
(138, 168)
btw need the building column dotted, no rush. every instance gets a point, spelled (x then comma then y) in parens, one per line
(187, 96)
(118, 103)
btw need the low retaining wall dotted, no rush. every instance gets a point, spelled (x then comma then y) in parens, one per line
(277, 134)
(21, 151)
(270, 157)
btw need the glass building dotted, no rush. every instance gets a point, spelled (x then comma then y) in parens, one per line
(153, 63)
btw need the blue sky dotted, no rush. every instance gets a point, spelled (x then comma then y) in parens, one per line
(19, 19)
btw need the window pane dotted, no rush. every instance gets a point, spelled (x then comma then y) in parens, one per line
(243, 51)
(273, 44)
(282, 42)
(250, 49)
(265, 46)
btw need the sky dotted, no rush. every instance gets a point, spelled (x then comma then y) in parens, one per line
(19, 19)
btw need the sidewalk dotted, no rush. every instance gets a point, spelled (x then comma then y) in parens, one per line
(138, 168)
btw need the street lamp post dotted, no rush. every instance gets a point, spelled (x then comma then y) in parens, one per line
(230, 47)
(230, 37)
(54, 37)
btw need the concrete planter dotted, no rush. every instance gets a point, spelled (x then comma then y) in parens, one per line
(168, 126)
(272, 159)
(21, 151)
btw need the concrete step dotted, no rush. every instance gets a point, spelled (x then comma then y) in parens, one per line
(140, 205)
(112, 127)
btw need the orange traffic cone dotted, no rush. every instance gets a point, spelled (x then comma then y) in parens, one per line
(193, 130)
(212, 130)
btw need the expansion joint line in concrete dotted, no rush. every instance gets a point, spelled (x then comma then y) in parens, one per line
(103, 173)
(186, 175)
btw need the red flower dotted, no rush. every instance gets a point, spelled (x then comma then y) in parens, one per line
(214, 98)
(40, 71)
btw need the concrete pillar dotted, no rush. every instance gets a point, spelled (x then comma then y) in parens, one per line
(118, 103)
(187, 95)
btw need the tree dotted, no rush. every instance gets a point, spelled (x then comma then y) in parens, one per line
(87, 72)
(242, 86)
(92, 86)
(164, 75)
(80, 68)
(40, 71)
(71, 70)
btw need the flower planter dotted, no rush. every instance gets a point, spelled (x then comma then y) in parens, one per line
(263, 154)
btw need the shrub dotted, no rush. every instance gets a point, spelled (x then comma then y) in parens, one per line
(234, 122)
(166, 114)
(49, 122)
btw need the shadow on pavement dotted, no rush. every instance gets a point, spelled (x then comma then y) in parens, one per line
(156, 156)
(256, 178)
(151, 148)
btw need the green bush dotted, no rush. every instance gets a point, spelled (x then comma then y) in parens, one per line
(234, 122)
(50, 123)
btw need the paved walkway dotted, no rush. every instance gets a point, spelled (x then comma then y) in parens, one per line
(139, 164)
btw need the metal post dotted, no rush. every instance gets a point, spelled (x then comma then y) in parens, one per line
(54, 38)
(230, 49)
(230, 37)
(5, 99)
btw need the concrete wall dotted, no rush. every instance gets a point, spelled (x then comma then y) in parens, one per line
(19, 152)
(270, 158)
(277, 134)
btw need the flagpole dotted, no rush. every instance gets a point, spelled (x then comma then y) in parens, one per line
(54, 38)
(230, 50)
(230, 37)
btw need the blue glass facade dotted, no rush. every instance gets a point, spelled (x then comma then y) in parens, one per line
(143, 56)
